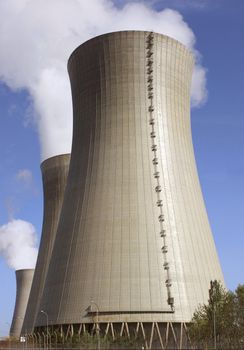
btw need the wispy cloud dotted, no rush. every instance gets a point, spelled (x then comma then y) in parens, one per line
(10, 205)
(25, 181)
(37, 37)
(25, 176)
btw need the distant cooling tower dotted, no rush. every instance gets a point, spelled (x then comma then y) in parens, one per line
(54, 176)
(23, 286)
(133, 234)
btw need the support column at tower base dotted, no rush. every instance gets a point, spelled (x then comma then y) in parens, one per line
(147, 335)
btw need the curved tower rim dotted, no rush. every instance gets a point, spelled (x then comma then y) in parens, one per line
(51, 159)
(100, 36)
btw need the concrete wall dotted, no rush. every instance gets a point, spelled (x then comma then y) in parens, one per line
(109, 246)
(54, 176)
(23, 285)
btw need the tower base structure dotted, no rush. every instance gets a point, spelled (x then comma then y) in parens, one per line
(147, 335)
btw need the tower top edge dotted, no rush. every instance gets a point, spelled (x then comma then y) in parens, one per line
(135, 32)
(54, 160)
(19, 271)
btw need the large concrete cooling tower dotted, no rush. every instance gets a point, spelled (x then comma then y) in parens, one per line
(23, 285)
(133, 234)
(54, 176)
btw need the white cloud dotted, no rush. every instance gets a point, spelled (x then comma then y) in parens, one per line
(37, 37)
(25, 176)
(199, 91)
(18, 244)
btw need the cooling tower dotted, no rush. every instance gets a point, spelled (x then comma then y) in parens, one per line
(23, 285)
(133, 234)
(54, 175)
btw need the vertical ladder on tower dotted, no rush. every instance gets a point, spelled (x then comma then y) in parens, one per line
(155, 161)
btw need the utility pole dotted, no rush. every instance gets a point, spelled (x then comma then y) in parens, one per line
(46, 314)
(212, 302)
(97, 324)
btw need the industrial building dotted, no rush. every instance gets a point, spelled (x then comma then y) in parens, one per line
(23, 285)
(54, 175)
(134, 252)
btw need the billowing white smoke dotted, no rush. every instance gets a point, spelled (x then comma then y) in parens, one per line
(37, 37)
(18, 244)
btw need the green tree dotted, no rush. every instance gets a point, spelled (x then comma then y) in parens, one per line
(219, 324)
(239, 313)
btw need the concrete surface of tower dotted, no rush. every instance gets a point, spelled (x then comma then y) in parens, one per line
(133, 234)
(54, 176)
(24, 279)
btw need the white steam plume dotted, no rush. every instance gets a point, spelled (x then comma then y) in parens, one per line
(18, 244)
(37, 37)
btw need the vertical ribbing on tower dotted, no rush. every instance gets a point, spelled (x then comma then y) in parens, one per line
(23, 285)
(112, 242)
(54, 176)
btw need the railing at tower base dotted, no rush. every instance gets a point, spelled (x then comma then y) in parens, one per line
(134, 335)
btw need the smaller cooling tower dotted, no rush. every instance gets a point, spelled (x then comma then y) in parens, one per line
(23, 285)
(54, 175)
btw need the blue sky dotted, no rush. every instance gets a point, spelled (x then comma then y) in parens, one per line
(217, 125)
